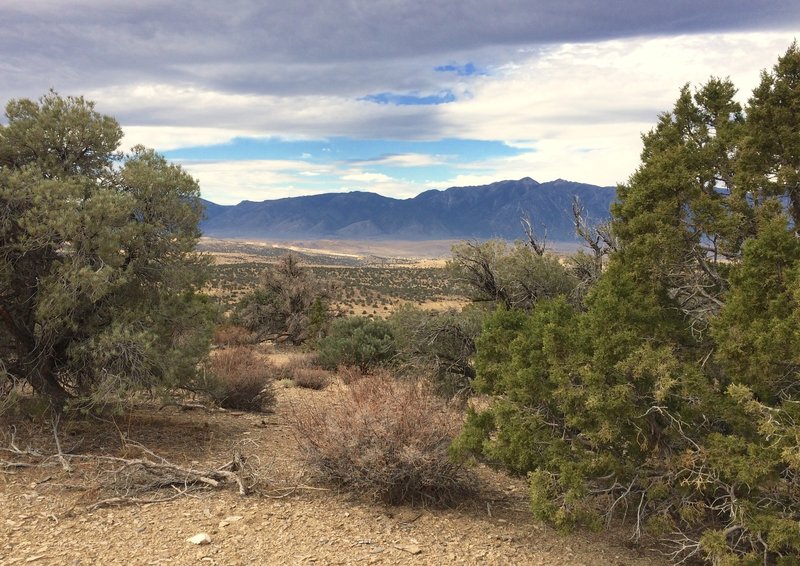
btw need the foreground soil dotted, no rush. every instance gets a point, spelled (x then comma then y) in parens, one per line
(46, 514)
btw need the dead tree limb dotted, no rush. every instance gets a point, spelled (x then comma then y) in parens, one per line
(538, 245)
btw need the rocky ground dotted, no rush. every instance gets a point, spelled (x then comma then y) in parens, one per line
(47, 513)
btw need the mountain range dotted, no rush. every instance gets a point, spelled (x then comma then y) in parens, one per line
(479, 212)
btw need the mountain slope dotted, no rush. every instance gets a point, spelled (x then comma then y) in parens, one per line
(459, 212)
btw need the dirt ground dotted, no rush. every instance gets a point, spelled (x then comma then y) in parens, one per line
(46, 514)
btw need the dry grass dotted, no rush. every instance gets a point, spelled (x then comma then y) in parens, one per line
(386, 438)
(350, 374)
(311, 378)
(232, 335)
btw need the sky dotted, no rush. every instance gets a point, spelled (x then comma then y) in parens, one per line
(265, 99)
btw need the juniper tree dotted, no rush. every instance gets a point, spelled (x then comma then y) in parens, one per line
(672, 400)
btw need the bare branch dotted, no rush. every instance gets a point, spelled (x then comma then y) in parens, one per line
(539, 246)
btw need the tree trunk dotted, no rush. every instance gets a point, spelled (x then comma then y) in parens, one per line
(41, 376)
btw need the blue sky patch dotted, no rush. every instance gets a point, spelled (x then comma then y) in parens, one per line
(343, 150)
(341, 164)
(466, 70)
(413, 99)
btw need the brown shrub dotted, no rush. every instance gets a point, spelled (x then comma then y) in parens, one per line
(292, 363)
(386, 438)
(311, 378)
(233, 335)
(350, 374)
(240, 380)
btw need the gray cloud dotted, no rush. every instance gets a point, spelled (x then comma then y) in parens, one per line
(346, 47)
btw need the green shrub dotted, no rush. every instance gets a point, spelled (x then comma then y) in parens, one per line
(439, 344)
(357, 341)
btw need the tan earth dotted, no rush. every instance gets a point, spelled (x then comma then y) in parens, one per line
(46, 515)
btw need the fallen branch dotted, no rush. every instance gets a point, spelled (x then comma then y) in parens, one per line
(161, 473)
(131, 477)
(119, 501)
(64, 464)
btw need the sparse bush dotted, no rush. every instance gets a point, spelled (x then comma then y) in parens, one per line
(290, 303)
(440, 344)
(233, 335)
(311, 378)
(387, 438)
(349, 374)
(237, 379)
(512, 275)
(357, 341)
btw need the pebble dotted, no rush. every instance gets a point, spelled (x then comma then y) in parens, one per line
(199, 538)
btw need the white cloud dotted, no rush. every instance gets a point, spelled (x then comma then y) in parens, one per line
(363, 177)
(408, 160)
(229, 182)
(577, 109)
(583, 107)
(165, 138)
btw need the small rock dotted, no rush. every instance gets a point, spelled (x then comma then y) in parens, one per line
(410, 548)
(199, 538)
(230, 519)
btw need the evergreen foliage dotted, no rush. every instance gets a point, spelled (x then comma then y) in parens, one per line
(514, 275)
(357, 341)
(672, 401)
(439, 344)
(289, 303)
(98, 275)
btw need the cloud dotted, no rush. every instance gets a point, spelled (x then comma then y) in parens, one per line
(572, 110)
(363, 177)
(407, 160)
(308, 47)
(265, 98)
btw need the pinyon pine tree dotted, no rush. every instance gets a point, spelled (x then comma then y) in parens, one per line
(98, 275)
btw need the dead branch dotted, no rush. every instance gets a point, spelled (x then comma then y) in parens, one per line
(538, 245)
(64, 464)
(119, 501)
(599, 237)
(129, 478)
(145, 474)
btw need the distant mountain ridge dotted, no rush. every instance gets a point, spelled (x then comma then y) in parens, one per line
(459, 212)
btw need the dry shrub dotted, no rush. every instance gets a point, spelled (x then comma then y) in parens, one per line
(233, 335)
(350, 374)
(311, 378)
(241, 380)
(387, 438)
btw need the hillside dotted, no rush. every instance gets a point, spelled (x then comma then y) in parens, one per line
(460, 212)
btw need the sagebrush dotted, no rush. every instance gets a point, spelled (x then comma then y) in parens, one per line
(237, 378)
(386, 438)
